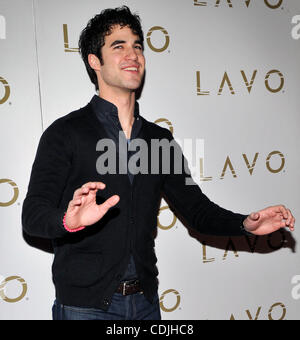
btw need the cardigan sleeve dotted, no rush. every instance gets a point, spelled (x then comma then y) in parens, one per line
(196, 208)
(42, 215)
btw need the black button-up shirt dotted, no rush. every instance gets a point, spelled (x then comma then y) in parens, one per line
(107, 114)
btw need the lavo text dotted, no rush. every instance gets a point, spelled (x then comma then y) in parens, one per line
(275, 312)
(273, 4)
(275, 163)
(272, 243)
(248, 80)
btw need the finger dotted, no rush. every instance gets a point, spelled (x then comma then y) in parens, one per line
(109, 203)
(94, 185)
(282, 209)
(86, 188)
(292, 223)
(77, 193)
(291, 228)
(290, 217)
(283, 225)
(81, 192)
(75, 203)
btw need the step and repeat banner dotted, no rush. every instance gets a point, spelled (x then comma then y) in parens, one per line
(224, 77)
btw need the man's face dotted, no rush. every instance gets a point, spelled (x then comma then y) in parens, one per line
(123, 61)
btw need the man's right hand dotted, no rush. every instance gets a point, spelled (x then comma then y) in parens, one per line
(83, 209)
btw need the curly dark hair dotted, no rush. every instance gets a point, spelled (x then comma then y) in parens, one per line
(92, 38)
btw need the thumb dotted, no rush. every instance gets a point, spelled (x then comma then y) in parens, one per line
(109, 203)
(254, 216)
(112, 201)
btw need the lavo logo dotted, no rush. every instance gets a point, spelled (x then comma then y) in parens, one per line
(15, 192)
(173, 307)
(6, 282)
(273, 4)
(166, 36)
(248, 81)
(66, 40)
(273, 243)
(170, 225)
(169, 125)
(2, 27)
(6, 90)
(272, 166)
(149, 39)
(280, 313)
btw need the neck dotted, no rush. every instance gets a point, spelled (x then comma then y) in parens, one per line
(125, 103)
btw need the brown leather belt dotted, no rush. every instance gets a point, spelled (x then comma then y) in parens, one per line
(129, 288)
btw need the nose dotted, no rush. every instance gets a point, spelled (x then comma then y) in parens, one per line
(132, 54)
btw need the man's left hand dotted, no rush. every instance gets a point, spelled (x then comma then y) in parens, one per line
(269, 220)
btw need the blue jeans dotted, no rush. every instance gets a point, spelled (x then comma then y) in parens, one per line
(130, 307)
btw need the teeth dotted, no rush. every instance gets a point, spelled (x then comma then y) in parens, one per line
(131, 69)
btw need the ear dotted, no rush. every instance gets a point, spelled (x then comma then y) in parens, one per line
(94, 62)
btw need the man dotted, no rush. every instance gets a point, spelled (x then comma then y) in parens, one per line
(103, 224)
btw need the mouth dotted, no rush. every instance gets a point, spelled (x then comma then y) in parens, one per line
(131, 69)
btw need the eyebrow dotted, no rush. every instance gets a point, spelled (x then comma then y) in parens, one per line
(117, 42)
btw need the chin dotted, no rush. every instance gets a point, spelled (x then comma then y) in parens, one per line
(133, 87)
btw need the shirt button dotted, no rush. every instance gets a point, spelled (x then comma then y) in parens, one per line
(105, 302)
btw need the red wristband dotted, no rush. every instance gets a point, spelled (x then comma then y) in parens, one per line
(68, 229)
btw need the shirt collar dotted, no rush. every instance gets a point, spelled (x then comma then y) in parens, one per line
(102, 106)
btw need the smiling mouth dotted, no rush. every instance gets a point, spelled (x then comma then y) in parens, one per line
(132, 69)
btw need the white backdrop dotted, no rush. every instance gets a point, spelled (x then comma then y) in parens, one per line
(228, 73)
